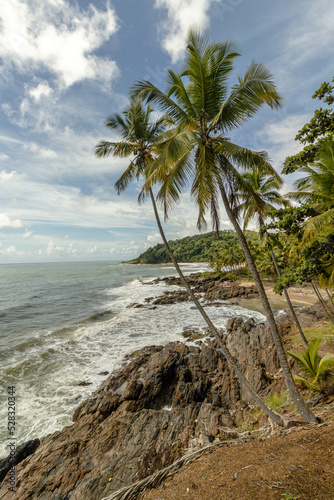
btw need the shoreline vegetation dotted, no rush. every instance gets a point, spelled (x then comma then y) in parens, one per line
(249, 380)
(168, 403)
(191, 249)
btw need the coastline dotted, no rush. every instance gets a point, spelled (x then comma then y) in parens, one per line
(176, 389)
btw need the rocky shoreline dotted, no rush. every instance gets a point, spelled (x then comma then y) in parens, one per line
(163, 401)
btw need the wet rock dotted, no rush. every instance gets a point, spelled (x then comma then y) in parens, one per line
(21, 452)
(192, 334)
(162, 401)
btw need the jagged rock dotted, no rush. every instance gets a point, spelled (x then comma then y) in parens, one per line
(163, 400)
(255, 351)
(21, 452)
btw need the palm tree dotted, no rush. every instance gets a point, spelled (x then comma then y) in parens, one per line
(316, 187)
(261, 197)
(265, 188)
(205, 111)
(141, 140)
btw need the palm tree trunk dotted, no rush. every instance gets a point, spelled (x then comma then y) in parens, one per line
(287, 298)
(322, 302)
(303, 409)
(271, 414)
(286, 295)
(330, 296)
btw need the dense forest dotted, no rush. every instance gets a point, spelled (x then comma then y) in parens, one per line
(198, 248)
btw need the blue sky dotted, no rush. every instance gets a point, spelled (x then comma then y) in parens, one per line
(65, 65)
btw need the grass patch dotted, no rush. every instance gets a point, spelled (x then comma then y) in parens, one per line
(289, 496)
(323, 331)
(281, 403)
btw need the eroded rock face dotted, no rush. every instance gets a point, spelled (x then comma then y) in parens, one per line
(163, 400)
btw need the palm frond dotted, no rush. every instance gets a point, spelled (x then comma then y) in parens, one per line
(253, 90)
(128, 175)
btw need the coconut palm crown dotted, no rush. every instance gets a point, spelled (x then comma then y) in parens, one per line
(139, 135)
(205, 110)
(261, 187)
(198, 150)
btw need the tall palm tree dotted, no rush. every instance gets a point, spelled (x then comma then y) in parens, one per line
(205, 110)
(140, 141)
(265, 188)
(261, 197)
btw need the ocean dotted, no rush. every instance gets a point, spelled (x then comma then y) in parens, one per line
(66, 323)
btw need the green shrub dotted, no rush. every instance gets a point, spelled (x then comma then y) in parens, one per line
(318, 371)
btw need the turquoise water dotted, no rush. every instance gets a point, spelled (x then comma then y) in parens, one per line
(62, 324)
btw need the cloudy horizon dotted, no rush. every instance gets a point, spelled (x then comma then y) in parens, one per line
(66, 65)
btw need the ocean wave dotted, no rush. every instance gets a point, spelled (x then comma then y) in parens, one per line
(47, 365)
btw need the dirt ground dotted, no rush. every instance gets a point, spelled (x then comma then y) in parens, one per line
(298, 464)
(293, 464)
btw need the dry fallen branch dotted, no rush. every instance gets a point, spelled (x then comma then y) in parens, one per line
(236, 474)
(134, 491)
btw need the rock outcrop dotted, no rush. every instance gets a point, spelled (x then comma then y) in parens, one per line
(212, 287)
(162, 401)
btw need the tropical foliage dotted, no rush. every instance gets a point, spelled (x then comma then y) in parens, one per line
(261, 196)
(313, 132)
(318, 371)
(198, 248)
(316, 187)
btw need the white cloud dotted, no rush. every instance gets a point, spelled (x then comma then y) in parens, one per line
(181, 14)
(53, 248)
(27, 234)
(42, 90)
(154, 238)
(10, 251)
(6, 222)
(92, 249)
(313, 33)
(58, 204)
(3, 157)
(40, 151)
(280, 135)
(304, 41)
(57, 36)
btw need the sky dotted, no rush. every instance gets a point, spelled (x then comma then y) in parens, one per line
(66, 65)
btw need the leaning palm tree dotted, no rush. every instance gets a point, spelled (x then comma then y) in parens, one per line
(205, 110)
(265, 188)
(141, 140)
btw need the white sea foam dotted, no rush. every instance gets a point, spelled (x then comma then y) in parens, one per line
(47, 369)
